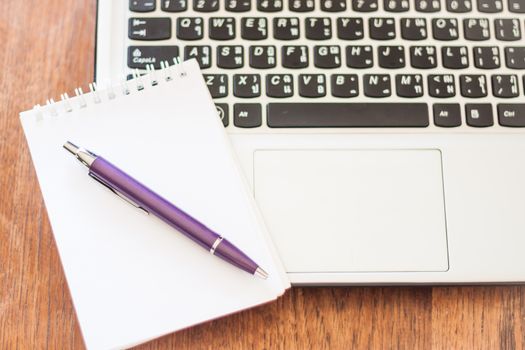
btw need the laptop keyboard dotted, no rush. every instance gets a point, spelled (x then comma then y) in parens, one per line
(344, 63)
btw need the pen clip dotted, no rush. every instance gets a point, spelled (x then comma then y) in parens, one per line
(120, 195)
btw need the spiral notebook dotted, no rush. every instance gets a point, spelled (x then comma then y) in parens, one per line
(133, 278)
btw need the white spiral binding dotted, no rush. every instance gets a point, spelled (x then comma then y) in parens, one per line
(140, 81)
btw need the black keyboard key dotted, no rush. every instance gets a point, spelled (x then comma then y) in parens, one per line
(238, 5)
(516, 6)
(377, 85)
(505, 85)
(333, 5)
(223, 111)
(269, 5)
(217, 84)
(512, 115)
(337, 115)
(286, 28)
(396, 5)
(476, 29)
(221, 28)
(473, 85)
(327, 56)
(174, 5)
(428, 5)
(445, 29)
(447, 115)
(391, 56)
(149, 28)
(423, 57)
(479, 115)
(318, 28)
(247, 85)
(141, 56)
(142, 5)
(441, 85)
(312, 85)
(350, 28)
(206, 5)
(515, 57)
(364, 5)
(490, 6)
(382, 28)
(455, 57)
(459, 6)
(301, 5)
(247, 115)
(263, 57)
(295, 56)
(359, 56)
(507, 29)
(345, 85)
(414, 28)
(409, 85)
(201, 53)
(190, 28)
(230, 57)
(279, 85)
(486, 57)
(254, 28)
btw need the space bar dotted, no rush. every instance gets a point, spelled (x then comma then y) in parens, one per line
(341, 115)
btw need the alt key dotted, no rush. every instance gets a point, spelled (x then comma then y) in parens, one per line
(447, 115)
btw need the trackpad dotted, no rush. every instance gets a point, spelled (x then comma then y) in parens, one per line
(354, 210)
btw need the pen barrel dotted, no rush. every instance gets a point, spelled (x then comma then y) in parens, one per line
(227, 251)
(145, 198)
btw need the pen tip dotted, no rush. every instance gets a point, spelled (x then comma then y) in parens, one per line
(71, 147)
(261, 273)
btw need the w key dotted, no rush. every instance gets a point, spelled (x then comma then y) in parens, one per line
(222, 28)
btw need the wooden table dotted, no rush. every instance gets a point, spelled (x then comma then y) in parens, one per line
(46, 48)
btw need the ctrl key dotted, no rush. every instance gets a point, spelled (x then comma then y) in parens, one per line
(511, 115)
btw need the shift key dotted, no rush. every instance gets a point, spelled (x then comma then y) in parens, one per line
(512, 115)
(144, 28)
(141, 56)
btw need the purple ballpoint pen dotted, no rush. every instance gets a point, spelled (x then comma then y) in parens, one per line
(145, 199)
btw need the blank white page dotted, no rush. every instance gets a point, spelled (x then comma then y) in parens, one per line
(132, 277)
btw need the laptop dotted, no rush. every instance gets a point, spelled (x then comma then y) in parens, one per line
(383, 140)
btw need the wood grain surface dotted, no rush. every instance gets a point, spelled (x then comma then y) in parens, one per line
(46, 48)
